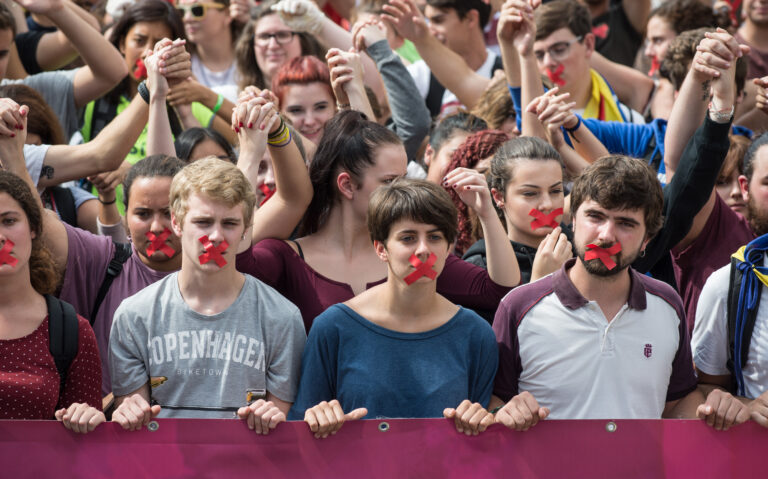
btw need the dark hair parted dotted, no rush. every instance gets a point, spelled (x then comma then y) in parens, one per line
(444, 130)
(41, 119)
(191, 137)
(684, 15)
(408, 199)
(749, 158)
(570, 14)
(677, 61)
(42, 272)
(151, 167)
(142, 11)
(463, 7)
(247, 67)
(621, 183)
(349, 144)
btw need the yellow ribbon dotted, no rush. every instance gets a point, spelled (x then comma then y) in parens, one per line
(601, 91)
(739, 255)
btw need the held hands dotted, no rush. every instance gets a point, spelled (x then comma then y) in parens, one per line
(13, 133)
(407, 19)
(253, 120)
(346, 73)
(366, 33)
(522, 412)
(173, 60)
(80, 417)
(554, 111)
(758, 409)
(516, 25)
(106, 182)
(715, 59)
(471, 419)
(553, 252)
(301, 15)
(472, 189)
(134, 413)
(721, 410)
(261, 416)
(328, 417)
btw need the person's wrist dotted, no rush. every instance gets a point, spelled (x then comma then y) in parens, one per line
(107, 199)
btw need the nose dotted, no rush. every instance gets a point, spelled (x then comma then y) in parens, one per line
(159, 223)
(422, 249)
(650, 51)
(607, 233)
(546, 203)
(735, 190)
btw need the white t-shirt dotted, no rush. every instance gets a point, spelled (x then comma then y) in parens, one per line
(223, 82)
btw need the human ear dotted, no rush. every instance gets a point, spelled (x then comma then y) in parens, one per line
(498, 197)
(744, 186)
(589, 44)
(344, 183)
(175, 225)
(429, 154)
(381, 250)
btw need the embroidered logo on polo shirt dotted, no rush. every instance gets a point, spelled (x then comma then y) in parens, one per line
(648, 351)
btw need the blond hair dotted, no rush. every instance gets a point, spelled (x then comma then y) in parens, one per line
(218, 180)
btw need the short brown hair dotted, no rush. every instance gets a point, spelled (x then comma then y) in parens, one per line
(559, 14)
(495, 105)
(621, 183)
(218, 180)
(7, 22)
(735, 157)
(409, 199)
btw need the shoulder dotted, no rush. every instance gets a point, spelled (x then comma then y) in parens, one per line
(661, 290)
(475, 325)
(718, 283)
(148, 295)
(518, 302)
(274, 302)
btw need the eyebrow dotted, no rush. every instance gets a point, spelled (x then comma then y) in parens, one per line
(9, 212)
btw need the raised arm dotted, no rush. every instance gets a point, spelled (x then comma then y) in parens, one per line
(305, 16)
(347, 81)
(410, 116)
(159, 136)
(256, 120)
(105, 66)
(637, 13)
(55, 50)
(448, 67)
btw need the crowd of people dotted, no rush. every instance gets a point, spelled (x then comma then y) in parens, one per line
(491, 211)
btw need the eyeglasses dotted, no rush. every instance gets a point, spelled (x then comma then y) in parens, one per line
(198, 10)
(558, 51)
(282, 37)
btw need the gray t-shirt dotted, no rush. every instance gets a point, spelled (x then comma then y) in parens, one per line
(58, 90)
(206, 366)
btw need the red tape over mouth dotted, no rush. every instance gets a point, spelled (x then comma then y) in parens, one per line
(556, 76)
(212, 252)
(139, 70)
(603, 254)
(422, 268)
(157, 243)
(267, 191)
(541, 220)
(655, 65)
(5, 254)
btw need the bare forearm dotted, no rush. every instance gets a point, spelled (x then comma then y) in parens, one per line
(687, 113)
(159, 136)
(503, 268)
(531, 87)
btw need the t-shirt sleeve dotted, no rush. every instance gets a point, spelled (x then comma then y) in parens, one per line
(285, 364)
(83, 383)
(265, 262)
(26, 45)
(34, 157)
(509, 364)
(58, 90)
(487, 361)
(88, 256)
(710, 331)
(469, 285)
(127, 367)
(318, 367)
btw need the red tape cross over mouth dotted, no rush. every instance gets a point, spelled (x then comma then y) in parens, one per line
(603, 254)
(5, 254)
(267, 191)
(556, 76)
(541, 219)
(157, 243)
(422, 268)
(213, 253)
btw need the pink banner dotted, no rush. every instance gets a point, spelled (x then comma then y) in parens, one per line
(395, 448)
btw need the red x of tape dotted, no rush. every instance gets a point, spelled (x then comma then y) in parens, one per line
(556, 75)
(422, 268)
(212, 252)
(603, 254)
(157, 243)
(5, 254)
(655, 65)
(139, 70)
(541, 219)
(268, 192)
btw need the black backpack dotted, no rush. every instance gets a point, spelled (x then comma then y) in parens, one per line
(63, 329)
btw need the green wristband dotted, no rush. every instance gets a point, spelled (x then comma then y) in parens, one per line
(219, 102)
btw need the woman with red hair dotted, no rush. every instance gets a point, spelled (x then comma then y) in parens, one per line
(303, 88)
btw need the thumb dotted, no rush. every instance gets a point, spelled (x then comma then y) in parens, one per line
(703, 410)
(242, 413)
(543, 412)
(155, 410)
(356, 414)
(23, 110)
(60, 414)
(449, 412)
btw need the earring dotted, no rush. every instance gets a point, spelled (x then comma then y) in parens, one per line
(642, 254)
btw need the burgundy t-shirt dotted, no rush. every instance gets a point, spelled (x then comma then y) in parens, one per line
(724, 233)
(89, 257)
(758, 61)
(29, 381)
(278, 265)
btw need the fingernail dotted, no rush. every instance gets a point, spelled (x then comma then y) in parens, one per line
(455, 186)
(466, 187)
(241, 124)
(250, 125)
(13, 135)
(237, 130)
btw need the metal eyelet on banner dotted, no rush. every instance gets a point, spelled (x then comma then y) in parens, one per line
(611, 427)
(384, 426)
(153, 426)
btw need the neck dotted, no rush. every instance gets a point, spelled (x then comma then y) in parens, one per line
(473, 52)
(580, 90)
(209, 286)
(755, 35)
(523, 237)
(17, 289)
(605, 291)
(173, 264)
(412, 303)
(216, 55)
(343, 230)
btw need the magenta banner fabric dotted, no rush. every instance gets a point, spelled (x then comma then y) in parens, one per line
(391, 449)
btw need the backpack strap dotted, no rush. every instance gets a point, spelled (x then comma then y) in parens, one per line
(64, 201)
(63, 331)
(123, 251)
(734, 286)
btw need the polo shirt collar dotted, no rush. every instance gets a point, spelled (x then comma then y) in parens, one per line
(571, 298)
